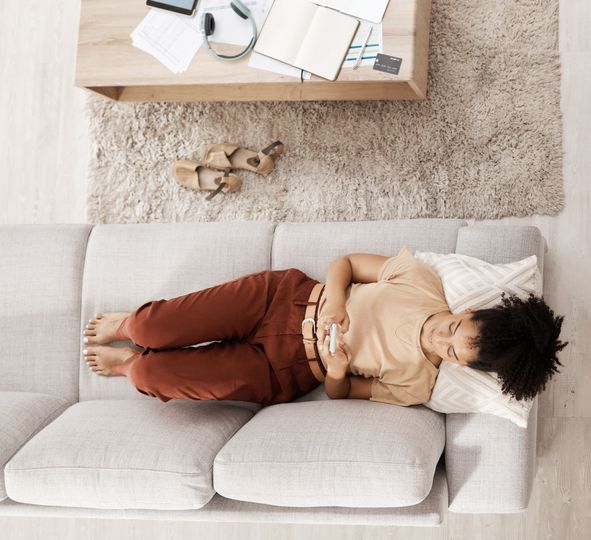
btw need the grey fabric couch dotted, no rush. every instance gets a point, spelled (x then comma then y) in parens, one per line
(73, 443)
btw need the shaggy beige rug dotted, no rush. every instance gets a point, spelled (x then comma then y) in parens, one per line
(486, 143)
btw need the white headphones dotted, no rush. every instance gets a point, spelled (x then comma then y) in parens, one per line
(208, 27)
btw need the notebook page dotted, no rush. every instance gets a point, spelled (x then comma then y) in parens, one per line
(284, 29)
(326, 43)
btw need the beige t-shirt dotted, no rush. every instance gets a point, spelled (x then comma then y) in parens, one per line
(386, 318)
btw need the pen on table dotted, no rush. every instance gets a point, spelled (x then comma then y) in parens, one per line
(362, 49)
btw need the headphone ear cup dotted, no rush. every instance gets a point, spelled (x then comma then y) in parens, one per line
(208, 24)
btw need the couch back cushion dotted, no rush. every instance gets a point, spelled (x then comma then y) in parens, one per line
(499, 244)
(40, 282)
(128, 265)
(311, 247)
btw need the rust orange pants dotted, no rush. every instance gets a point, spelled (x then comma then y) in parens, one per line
(257, 353)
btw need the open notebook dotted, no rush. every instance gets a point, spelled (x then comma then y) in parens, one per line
(307, 36)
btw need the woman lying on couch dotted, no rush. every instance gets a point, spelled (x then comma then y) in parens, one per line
(245, 339)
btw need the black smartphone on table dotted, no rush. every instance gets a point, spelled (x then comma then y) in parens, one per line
(186, 7)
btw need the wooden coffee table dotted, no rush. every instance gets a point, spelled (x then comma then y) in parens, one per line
(109, 64)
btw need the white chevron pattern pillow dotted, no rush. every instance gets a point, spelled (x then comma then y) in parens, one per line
(472, 283)
(460, 389)
(469, 282)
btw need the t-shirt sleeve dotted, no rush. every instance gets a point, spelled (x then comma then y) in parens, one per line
(406, 267)
(397, 265)
(393, 393)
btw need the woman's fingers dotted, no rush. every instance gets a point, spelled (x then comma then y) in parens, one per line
(324, 336)
(345, 325)
(325, 328)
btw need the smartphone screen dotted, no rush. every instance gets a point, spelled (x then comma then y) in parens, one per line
(179, 6)
(333, 338)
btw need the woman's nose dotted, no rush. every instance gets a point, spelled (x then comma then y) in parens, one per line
(442, 340)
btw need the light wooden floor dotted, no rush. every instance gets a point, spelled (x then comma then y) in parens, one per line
(44, 153)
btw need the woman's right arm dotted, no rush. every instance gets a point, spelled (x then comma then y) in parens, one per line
(338, 278)
(352, 268)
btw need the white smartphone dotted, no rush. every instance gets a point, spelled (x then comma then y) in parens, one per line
(333, 337)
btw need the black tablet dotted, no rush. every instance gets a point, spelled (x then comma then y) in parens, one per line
(186, 7)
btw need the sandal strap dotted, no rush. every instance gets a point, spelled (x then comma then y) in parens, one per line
(219, 159)
(269, 149)
(221, 185)
(265, 159)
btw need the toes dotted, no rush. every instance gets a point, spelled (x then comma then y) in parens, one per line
(91, 340)
(90, 332)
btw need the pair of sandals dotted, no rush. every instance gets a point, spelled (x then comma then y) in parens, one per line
(204, 175)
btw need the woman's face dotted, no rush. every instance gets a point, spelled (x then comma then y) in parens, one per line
(450, 337)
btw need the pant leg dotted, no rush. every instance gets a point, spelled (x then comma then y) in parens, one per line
(231, 310)
(229, 370)
(269, 366)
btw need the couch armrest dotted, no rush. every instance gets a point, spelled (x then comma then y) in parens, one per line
(490, 462)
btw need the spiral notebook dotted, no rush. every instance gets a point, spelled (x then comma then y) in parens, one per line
(307, 36)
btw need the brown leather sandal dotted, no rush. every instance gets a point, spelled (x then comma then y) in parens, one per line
(192, 175)
(223, 156)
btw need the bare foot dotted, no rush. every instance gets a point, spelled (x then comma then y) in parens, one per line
(102, 328)
(110, 361)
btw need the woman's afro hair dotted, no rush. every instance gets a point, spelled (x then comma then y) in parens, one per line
(518, 340)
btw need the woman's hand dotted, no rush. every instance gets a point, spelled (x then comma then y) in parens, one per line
(338, 361)
(332, 313)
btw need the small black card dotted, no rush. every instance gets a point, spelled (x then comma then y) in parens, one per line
(387, 63)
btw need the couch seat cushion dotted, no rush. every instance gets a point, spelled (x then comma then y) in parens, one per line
(125, 454)
(352, 453)
(22, 414)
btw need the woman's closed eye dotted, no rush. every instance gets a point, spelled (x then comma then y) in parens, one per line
(451, 352)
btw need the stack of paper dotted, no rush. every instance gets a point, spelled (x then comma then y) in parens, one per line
(168, 37)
